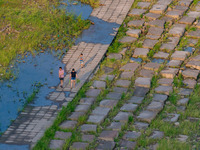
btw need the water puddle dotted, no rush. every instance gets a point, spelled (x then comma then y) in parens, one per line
(42, 68)
(76, 8)
(139, 60)
(13, 147)
(189, 49)
(160, 61)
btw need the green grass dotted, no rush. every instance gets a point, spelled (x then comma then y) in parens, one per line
(43, 143)
(33, 26)
(93, 3)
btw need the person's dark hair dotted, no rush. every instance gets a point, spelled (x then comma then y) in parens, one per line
(60, 67)
(81, 53)
(73, 69)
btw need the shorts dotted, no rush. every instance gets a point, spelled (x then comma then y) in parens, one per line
(81, 61)
(61, 78)
(73, 78)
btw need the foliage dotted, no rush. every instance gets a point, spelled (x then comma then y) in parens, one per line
(26, 26)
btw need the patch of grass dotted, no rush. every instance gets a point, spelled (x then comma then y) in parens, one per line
(28, 26)
(43, 143)
(93, 3)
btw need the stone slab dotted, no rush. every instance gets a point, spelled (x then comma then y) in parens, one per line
(190, 83)
(140, 52)
(185, 92)
(133, 32)
(87, 101)
(82, 108)
(187, 20)
(177, 30)
(147, 116)
(146, 73)
(76, 115)
(143, 82)
(99, 84)
(87, 138)
(156, 23)
(183, 101)
(140, 91)
(114, 95)
(152, 16)
(108, 103)
(169, 73)
(143, 4)
(107, 77)
(116, 126)
(155, 106)
(155, 31)
(126, 75)
(88, 128)
(56, 144)
(105, 145)
(180, 8)
(158, 8)
(193, 65)
(172, 117)
(148, 43)
(103, 111)
(174, 14)
(180, 55)
(164, 2)
(62, 135)
(137, 12)
(123, 83)
(164, 90)
(141, 125)
(167, 47)
(93, 92)
(122, 117)
(68, 124)
(131, 135)
(107, 70)
(157, 135)
(174, 63)
(152, 37)
(194, 14)
(182, 138)
(130, 67)
(136, 23)
(152, 66)
(124, 144)
(128, 40)
(185, 2)
(165, 81)
(120, 89)
(108, 135)
(115, 56)
(129, 107)
(79, 146)
(96, 119)
(161, 55)
(136, 100)
(160, 98)
(194, 34)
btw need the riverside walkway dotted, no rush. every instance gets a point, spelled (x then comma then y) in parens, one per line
(31, 124)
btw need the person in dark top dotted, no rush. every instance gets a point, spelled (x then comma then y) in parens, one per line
(73, 77)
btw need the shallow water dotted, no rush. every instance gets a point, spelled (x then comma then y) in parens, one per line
(43, 68)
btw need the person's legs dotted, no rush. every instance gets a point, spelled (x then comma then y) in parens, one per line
(74, 83)
(71, 83)
(61, 83)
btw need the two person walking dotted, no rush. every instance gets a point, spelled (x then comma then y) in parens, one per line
(73, 74)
